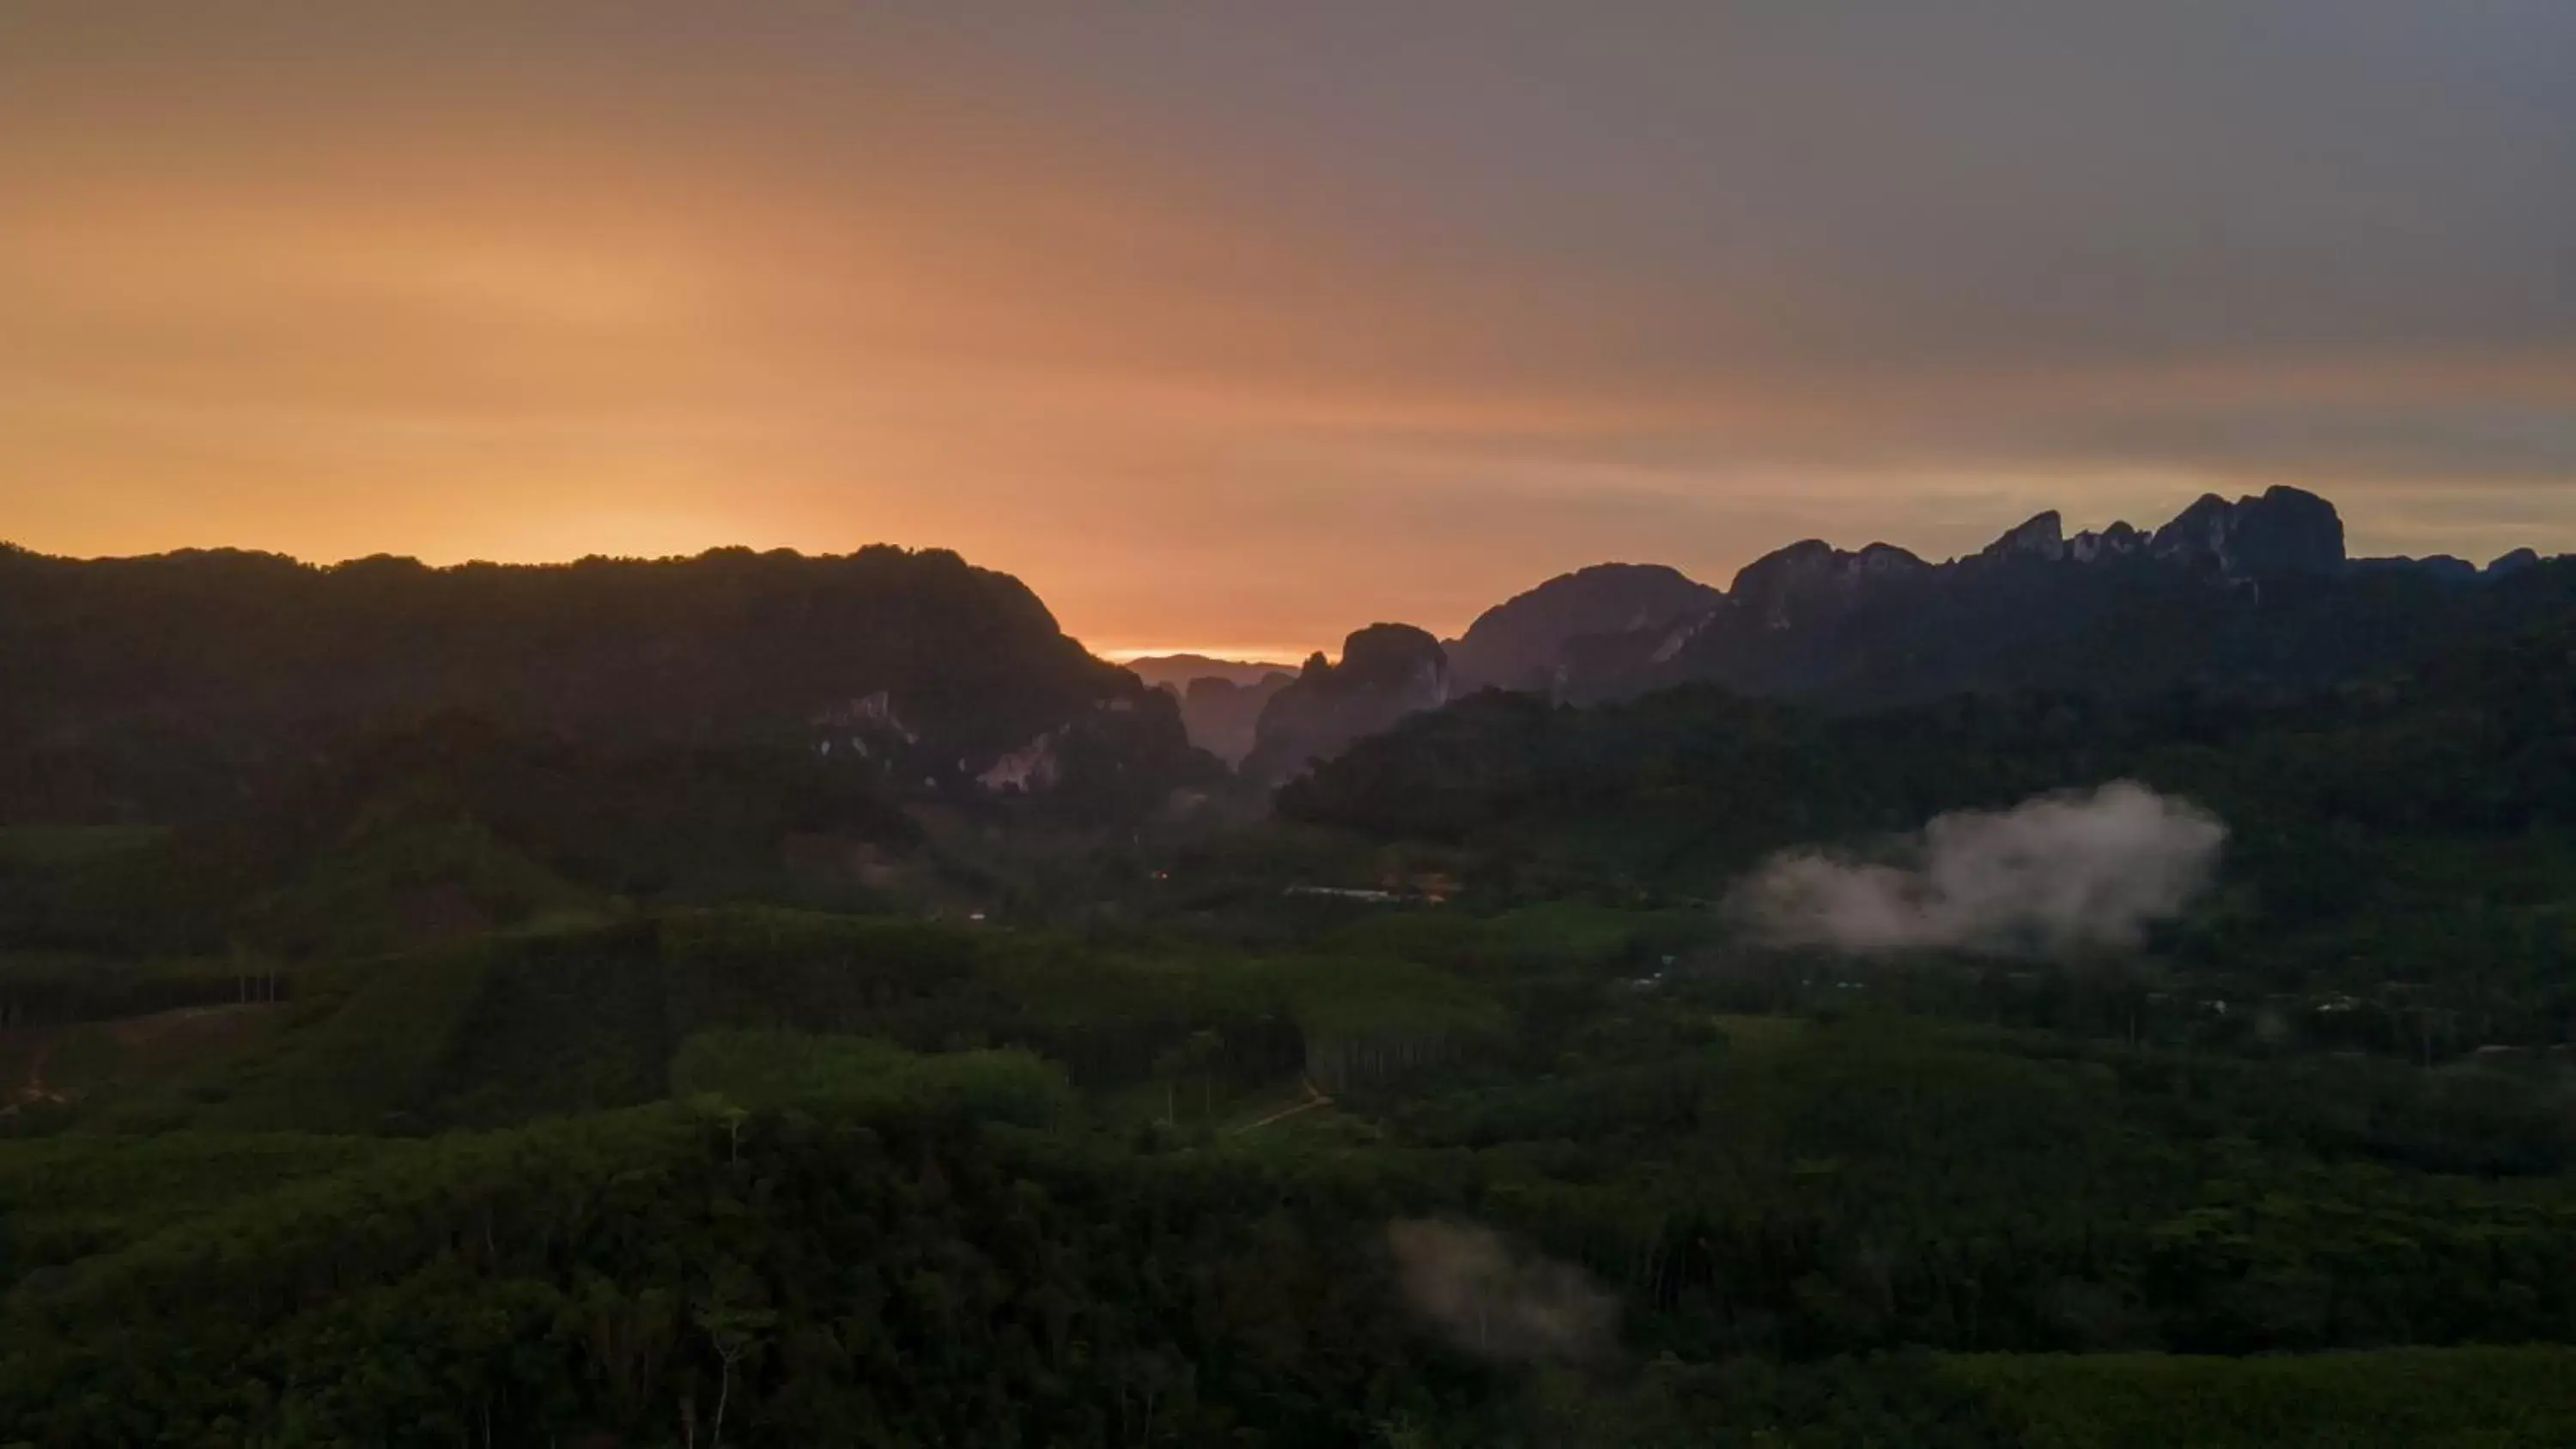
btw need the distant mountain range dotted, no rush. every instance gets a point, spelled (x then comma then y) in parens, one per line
(1178, 672)
(2257, 592)
(2251, 592)
(178, 686)
(1221, 699)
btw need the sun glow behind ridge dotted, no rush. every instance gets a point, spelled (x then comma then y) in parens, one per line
(1202, 328)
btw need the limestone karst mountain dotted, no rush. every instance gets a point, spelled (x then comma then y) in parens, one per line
(1521, 642)
(1386, 672)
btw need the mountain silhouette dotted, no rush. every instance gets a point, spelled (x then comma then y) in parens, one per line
(1180, 671)
(1520, 643)
(172, 686)
(1387, 671)
(2250, 592)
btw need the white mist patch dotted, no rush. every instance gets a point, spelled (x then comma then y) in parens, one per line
(1498, 1304)
(2054, 874)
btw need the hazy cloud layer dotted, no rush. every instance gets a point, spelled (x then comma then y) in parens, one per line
(1499, 1304)
(2055, 874)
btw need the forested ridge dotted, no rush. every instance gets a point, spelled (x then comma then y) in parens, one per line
(2404, 834)
(171, 686)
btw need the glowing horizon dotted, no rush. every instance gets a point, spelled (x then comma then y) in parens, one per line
(1268, 323)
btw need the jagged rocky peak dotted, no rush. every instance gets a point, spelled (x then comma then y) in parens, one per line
(2288, 530)
(2043, 536)
(1812, 577)
(1177, 672)
(2117, 541)
(2512, 563)
(2285, 531)
(2199, 531)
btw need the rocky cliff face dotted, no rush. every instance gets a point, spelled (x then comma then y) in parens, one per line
(1813, 580)
(2117, 541)
(2286, 531)
(1387, 671)
(2042, 538)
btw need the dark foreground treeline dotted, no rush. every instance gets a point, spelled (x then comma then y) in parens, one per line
(875, 1182)
(668, 1277)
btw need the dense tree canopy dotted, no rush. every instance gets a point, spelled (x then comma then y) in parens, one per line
(508, 1079)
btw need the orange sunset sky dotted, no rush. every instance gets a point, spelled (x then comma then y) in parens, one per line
(1233, 326)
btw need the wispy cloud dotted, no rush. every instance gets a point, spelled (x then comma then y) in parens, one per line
(2053, 875)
